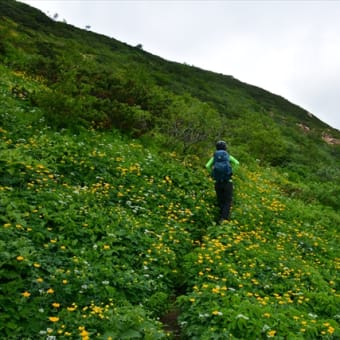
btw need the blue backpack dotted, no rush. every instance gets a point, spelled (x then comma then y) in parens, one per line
(222, 170)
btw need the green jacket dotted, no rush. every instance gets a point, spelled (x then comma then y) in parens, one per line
(234, 163)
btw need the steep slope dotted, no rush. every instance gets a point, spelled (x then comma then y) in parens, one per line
(101, 236)
(93, 79)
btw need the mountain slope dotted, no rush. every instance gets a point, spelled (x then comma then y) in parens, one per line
(100, 235)
(93, 80)
(107, 219)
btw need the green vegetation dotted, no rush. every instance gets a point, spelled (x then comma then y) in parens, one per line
(107, 216)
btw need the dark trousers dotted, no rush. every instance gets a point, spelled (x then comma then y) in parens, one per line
(224, 193)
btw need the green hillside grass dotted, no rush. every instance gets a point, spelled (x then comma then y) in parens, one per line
(108, 216)
(89, 80)
(101, 236)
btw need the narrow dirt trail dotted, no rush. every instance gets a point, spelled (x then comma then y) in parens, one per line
(170, 323)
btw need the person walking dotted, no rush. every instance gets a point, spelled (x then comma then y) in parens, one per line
(221, 165)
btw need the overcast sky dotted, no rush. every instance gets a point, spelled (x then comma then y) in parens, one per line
(290, 48)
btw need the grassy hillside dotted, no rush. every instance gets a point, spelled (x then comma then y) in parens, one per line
(107, 214)
(92, 80)
(100, 236)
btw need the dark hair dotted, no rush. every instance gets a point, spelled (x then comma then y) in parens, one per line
(221, 145)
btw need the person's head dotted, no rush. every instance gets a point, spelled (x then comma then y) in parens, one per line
(221, 145)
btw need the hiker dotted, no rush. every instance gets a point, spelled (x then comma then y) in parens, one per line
(220, 167)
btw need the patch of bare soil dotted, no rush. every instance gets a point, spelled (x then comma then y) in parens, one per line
(170, 322)
(330, 140)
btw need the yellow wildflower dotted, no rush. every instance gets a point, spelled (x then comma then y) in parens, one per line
(26, 294)
(216, 312)
(331, 330)
(271, 333)
(53, 318)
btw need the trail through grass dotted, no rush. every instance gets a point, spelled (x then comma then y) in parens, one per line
(99, 235)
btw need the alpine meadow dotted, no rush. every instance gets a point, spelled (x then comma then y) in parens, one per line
(107, 213)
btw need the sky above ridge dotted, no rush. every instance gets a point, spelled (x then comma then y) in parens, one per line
(288, 47)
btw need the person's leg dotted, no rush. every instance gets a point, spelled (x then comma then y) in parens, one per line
(228, 198)
(224, 193)
(220, 193)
